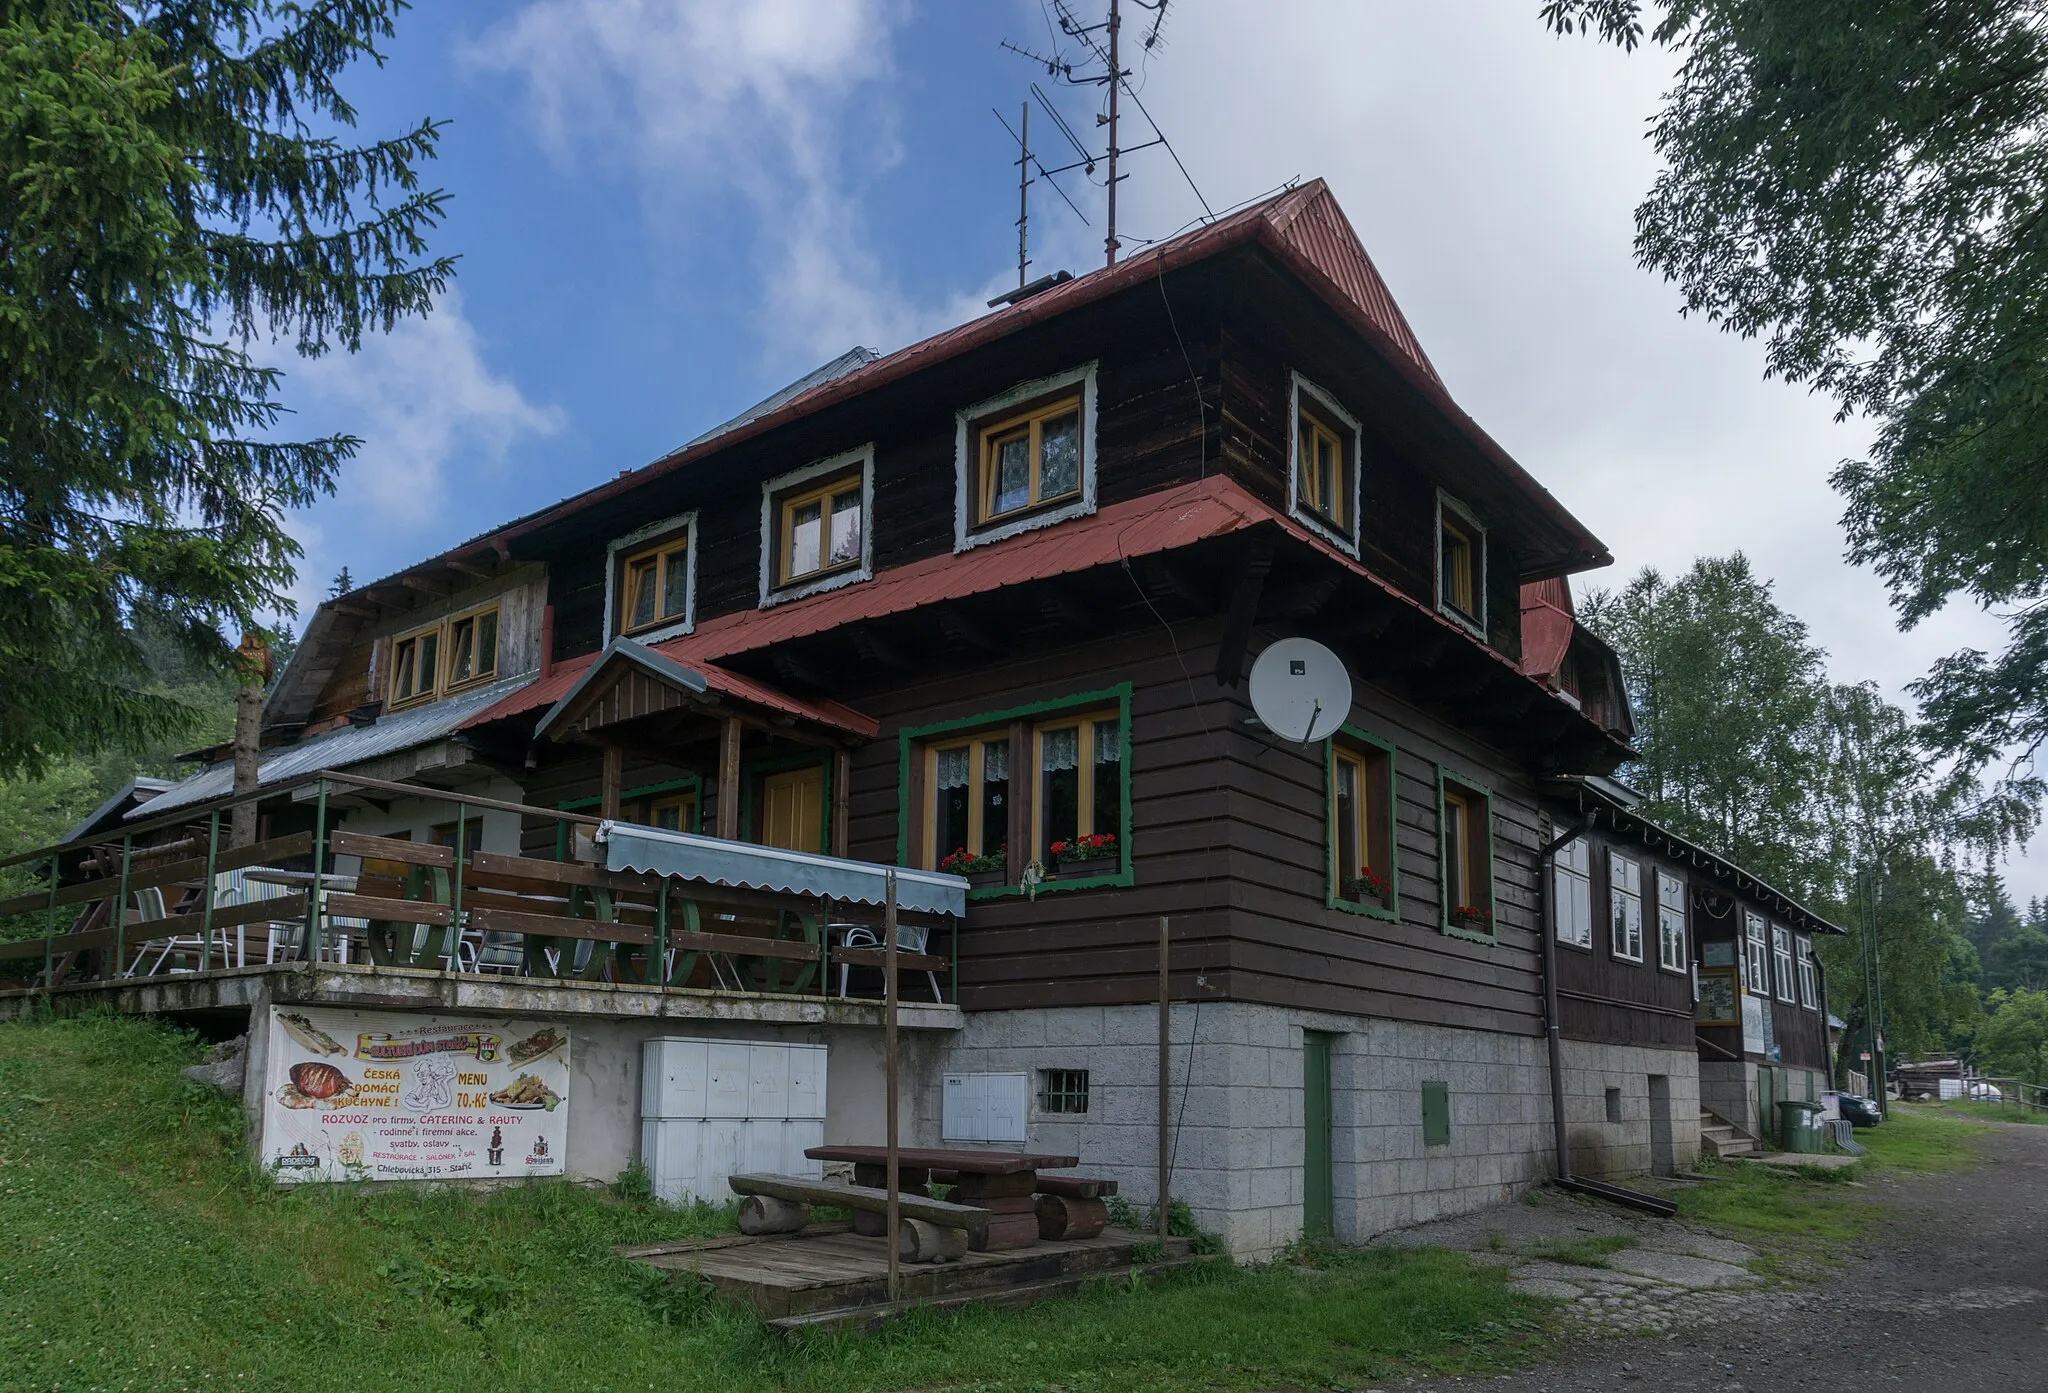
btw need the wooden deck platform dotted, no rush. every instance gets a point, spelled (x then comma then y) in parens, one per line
(827, 1275)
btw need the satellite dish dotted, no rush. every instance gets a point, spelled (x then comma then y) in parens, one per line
(1301, 690)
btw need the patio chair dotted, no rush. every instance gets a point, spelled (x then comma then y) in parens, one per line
(149, 908)
(910, 938)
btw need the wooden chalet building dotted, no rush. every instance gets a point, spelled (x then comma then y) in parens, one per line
(987, 604)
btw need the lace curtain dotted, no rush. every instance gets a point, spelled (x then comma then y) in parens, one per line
(1059, 749)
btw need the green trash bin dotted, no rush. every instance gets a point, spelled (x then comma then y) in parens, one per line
(1799, 1125)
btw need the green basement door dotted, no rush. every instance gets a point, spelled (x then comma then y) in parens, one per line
(1318, 1197)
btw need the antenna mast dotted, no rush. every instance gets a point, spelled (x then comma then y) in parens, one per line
(1116, 82)
(1023, 191)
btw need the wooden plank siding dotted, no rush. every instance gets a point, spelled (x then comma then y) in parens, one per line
(1604, 997)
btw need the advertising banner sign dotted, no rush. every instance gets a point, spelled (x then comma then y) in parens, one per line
(375, 1095)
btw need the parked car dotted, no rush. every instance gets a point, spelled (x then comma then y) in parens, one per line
(1859, 1111)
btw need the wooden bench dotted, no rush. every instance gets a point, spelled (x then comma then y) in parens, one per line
(932, 1230)
(1072, 1206)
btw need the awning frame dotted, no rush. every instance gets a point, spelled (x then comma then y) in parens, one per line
(629, 846)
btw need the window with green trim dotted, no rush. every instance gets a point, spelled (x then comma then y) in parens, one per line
(1465, 846)
(1361, 823)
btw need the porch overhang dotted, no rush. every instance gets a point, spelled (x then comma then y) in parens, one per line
(743, 865)
(629, 680)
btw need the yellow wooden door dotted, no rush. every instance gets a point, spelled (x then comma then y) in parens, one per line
(792, 810)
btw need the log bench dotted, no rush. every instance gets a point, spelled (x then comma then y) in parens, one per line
(930, 1230)
(1071, 1206)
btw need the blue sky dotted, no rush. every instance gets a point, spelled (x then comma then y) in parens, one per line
(665, 209)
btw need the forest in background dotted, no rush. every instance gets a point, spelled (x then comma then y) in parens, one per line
(1836, 796)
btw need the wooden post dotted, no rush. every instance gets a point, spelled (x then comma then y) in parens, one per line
(613, 780)
(729, 780)
(842, 776)
(1165, 1075)
(889, 1064)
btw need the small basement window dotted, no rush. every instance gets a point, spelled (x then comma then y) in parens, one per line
(1461, 563)
(1614, 1105)
(1063, 1090)
(1465, 854)
(1361, 823)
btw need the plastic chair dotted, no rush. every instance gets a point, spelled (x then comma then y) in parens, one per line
(910, 938)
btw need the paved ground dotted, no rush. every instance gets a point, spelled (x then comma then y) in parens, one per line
(1952, 1297)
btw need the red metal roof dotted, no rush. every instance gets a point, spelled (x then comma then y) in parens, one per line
(1158, 522)
(1303, 228)
(1547, 626)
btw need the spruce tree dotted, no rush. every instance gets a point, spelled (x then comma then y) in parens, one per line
(176, 182)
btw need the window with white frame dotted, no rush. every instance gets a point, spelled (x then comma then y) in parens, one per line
(1460, 563)
(1756, 963)
(1323, 487)
(651, 580)
(1025, 458)
(1571, 893)
(816, 526)
(1625, 906)
(1809, 978)
(1670, 922)
(1781, 952)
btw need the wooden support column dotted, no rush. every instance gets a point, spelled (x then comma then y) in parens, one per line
(729, 779)
(842, 776)
(614, 779)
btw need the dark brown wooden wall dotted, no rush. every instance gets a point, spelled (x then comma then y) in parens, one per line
(1801, 1031)
(1608, 999)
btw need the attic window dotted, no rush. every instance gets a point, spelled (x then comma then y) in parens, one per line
(815, 526)
(473, 647)
(1460, 564)
(1322, 489)
(1026, 458)
(651, 580)
(443, 657)
(1030, 459)
(415, 666)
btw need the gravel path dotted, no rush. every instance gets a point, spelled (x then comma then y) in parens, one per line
(1950, 1297)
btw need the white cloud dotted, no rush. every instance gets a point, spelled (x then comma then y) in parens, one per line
(421, 397)
(782, 101)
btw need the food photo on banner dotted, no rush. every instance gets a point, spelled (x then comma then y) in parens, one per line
(365, 1095)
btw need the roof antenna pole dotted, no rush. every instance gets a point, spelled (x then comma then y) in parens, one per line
(1023, 191)
(1116, 82)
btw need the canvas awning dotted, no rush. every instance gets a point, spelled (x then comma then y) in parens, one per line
(630, 847)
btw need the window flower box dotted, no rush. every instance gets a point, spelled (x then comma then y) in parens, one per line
(1472, 917)
(982, 872)
(1368, 889)
(1095, 854)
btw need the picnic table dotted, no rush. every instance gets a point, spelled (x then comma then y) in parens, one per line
(1002, 1182)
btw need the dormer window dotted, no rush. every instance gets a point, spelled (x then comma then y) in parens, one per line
(1460, 564)
(651, 580)
(815, 526)
(1322, 489)
(444, 656)
(1026, 458)
(1030, 459)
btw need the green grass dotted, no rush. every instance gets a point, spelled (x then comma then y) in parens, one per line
(145, 1252)
(1989, 1112)
(1822, 1204)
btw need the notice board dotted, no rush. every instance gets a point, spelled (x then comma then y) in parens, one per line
(385, 1095)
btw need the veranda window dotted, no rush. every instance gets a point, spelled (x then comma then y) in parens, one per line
(1571, 881)
(1625, 906)
(1756, 964)
(1670, 922)
(1781, 954)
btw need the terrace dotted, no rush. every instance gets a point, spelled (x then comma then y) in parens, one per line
(626, 920)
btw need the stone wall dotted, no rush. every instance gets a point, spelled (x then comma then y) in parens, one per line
(1237, 1110)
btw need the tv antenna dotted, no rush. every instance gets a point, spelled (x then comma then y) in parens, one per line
(1102, 44)
(1026, 162)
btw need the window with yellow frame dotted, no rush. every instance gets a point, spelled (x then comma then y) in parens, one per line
(1077, 804)
(967, 815)
(1460, 559)
(1361, 834)
(1029, 458)
(443, 657)
(819, 529)
(654, 585)
(1322, 470)
(1465, 852)
(676, 812)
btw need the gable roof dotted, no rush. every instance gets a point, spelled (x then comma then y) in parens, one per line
(1303, 228)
